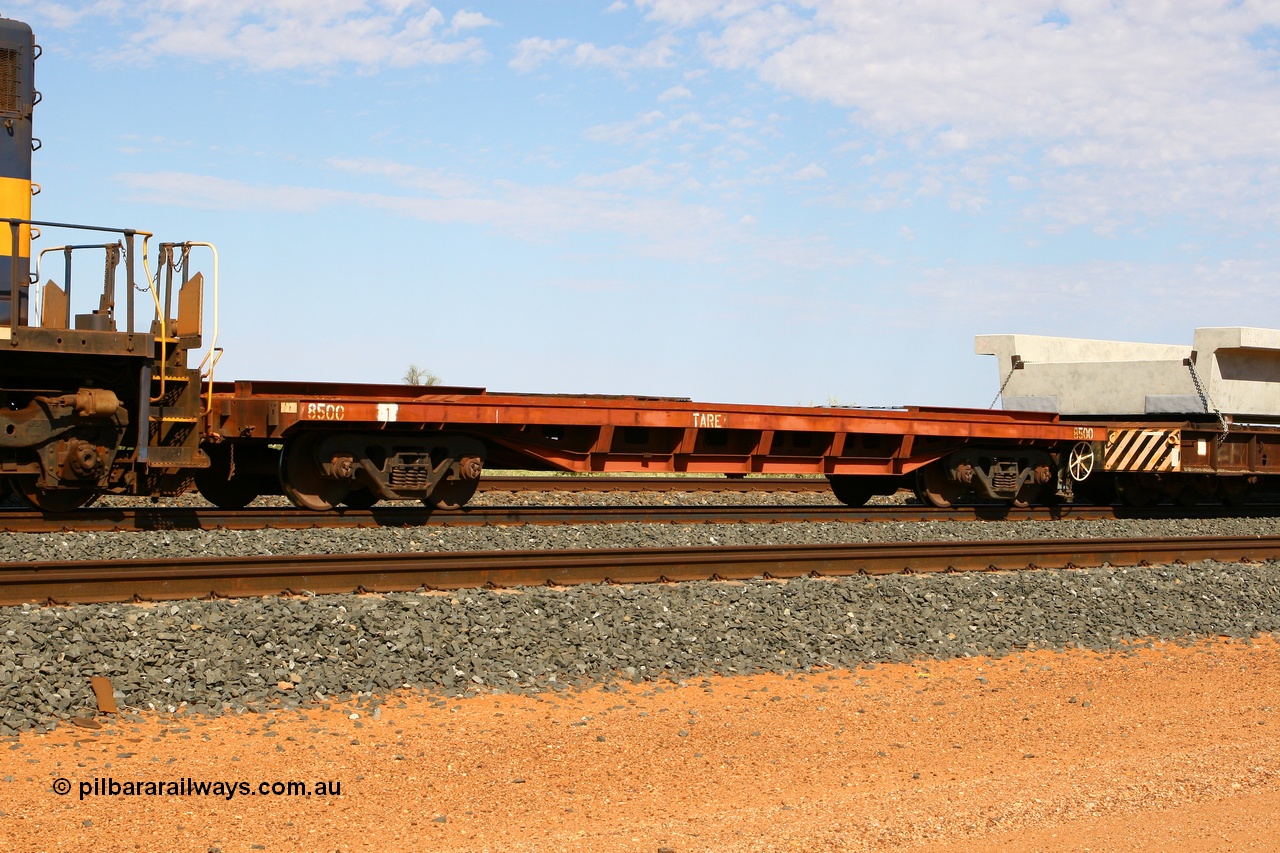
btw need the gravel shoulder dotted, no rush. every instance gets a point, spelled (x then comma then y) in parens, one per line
(25, 547)
(214, 656)
(1170, 748)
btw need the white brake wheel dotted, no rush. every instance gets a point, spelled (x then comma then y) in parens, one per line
(1080, 461)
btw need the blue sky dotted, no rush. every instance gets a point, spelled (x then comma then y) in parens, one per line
(730, 200)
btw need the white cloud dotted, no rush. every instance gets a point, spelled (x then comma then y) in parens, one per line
(651, 125)
(658, 225)
(656, 127)
(657, 53)
(675, 93)
(286, 34)
(532, 53)
(754, 33)
(810, 173)
(63, 15)
(1112, 76)
(1129, 108)
(642, 176)
(206, 191)
(685, 12)
(464, 20)
(1144, 301)
(436, 182)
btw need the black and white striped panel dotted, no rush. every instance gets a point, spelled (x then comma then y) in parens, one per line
(1142, 450)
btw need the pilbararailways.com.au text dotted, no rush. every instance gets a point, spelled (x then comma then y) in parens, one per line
(228, 789)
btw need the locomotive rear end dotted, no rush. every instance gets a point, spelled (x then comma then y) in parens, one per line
(88, 404)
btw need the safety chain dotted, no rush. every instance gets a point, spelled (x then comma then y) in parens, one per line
(1206, 401)
(1017, 365)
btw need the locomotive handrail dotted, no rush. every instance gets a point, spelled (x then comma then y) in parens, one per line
(164, 258)
(216, 352)
(66, 277)
(47, 224)
(161, 318)
(213, 342)
(15, 290)
(210, 360)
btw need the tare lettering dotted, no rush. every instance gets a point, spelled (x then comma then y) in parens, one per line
(710, 420)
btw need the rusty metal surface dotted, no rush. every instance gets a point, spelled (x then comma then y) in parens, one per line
(353, 404)
(572, 483)
(632, 434)
(104, 693)
(124, 580)
(82, 342)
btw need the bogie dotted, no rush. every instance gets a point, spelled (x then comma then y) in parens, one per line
(320, 470)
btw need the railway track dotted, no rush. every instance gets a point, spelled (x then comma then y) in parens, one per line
(185, 578)
(141, 519)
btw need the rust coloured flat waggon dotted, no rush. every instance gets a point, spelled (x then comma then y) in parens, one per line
(330, 443)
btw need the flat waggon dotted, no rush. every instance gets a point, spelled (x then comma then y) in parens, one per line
(121, 398)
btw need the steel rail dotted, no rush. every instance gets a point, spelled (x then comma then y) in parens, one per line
(204, 577)
(143, 519)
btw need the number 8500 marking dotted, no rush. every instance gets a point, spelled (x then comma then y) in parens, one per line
(326, 412)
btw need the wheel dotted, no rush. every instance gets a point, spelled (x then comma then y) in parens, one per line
(1138, 490)
(360, 499)
(219, 486)
(457, 489)
(1100, 489)
(51, 500)
(303, 481)
(935, 488)
(227, 494)
(1234, 491)
(1189, 496)
(850, 490)
(1041, 476)
(451, 494)
(1196, 489)
(1026, 495)
(1080, 461)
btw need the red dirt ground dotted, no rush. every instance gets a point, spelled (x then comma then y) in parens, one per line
(1169, 749)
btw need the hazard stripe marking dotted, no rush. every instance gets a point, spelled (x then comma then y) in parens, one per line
(1142, 450)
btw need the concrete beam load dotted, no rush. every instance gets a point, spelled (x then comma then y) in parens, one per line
(1239, 369)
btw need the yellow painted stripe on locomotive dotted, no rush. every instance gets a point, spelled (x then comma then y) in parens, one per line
(15, 203)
